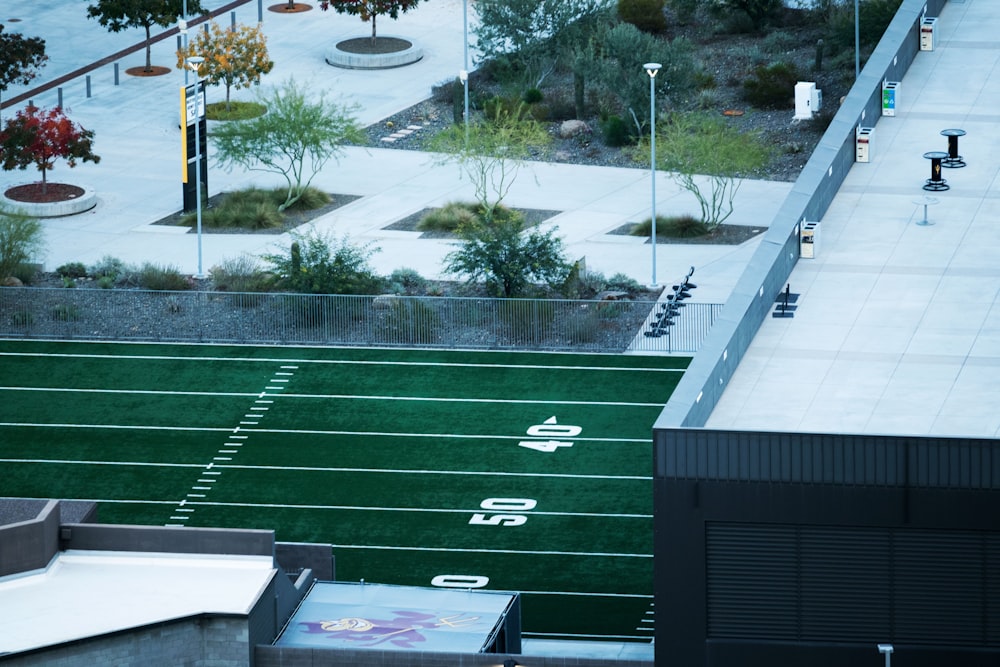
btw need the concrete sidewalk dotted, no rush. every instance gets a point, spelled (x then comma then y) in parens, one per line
(138, 179)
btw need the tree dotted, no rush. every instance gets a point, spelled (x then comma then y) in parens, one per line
(492, 152)
(623, 49)
(506, 256)
(369, 10)
(295, 138)
(536, 34)
(20, 58)
(695, 147)
(21, 239)
(118, 15)
(235, 57)
(39, 137)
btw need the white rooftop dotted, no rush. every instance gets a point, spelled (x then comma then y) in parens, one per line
(87, 593)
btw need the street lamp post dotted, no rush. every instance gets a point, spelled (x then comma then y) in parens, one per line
(651, 70)
(194, 63)
(465, 64)
(857, 43)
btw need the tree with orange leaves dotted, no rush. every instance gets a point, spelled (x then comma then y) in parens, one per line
(39, 137)
(370, 9)
(235, 57)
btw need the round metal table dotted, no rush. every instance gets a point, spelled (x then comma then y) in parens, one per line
(954, 160)
(935, 183)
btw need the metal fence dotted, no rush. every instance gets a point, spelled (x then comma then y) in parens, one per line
(268, 318)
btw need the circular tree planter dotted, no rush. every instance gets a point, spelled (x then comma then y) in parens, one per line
(387, 52)
(60, 199)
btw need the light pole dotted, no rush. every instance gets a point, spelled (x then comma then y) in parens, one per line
(857, 43)
(194, 63)
(464, 74)
(651, 70)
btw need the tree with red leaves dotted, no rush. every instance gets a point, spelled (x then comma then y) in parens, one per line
(39, 137)
(370, 9)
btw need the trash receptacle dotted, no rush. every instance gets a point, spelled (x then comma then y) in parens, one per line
(808, 240)
(927, 34)
(863, 140)
(890, 97)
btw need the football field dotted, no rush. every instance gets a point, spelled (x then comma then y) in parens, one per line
(520, 471)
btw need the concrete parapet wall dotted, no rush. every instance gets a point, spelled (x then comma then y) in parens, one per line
(167, 539)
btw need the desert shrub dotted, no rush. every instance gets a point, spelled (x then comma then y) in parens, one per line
(753, 13)
(161, 277)
(500, 107)
(21, 239)
(619, 282)
(615, 132)
(560, 107)
(68, 282)
(22, 317)
(646, 15)
(27, 272)
(582, 326)
(237, 110)
(108, 267)
(707, 99)
(240, 274)
(105, 282)
(771, 86)
(319, 263)
(255, 209)
(412, 321)
(778, 43)
(684, 10)
(449, 217)
(407, 281)
(874, 17)
(671, 226)
(532, 96)
(72, 270)
(528, 320)
(65, 312)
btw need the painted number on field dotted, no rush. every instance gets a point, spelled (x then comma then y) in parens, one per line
(503, 506)
(460, 581)
(550, 429)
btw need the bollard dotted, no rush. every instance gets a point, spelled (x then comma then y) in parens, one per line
(59, 92)
(260, 11)
(180, 44)
(232, 20)
(88, 85)
(116, 74)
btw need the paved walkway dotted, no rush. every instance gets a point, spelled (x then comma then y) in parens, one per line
(138, 179)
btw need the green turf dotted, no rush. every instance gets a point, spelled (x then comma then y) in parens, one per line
(379, 452)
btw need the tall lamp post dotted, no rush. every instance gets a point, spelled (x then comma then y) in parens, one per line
(651, 70)
(857, 43)
(194, 64)
(464, 74)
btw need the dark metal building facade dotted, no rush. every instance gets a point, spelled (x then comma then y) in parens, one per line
(799, 548)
